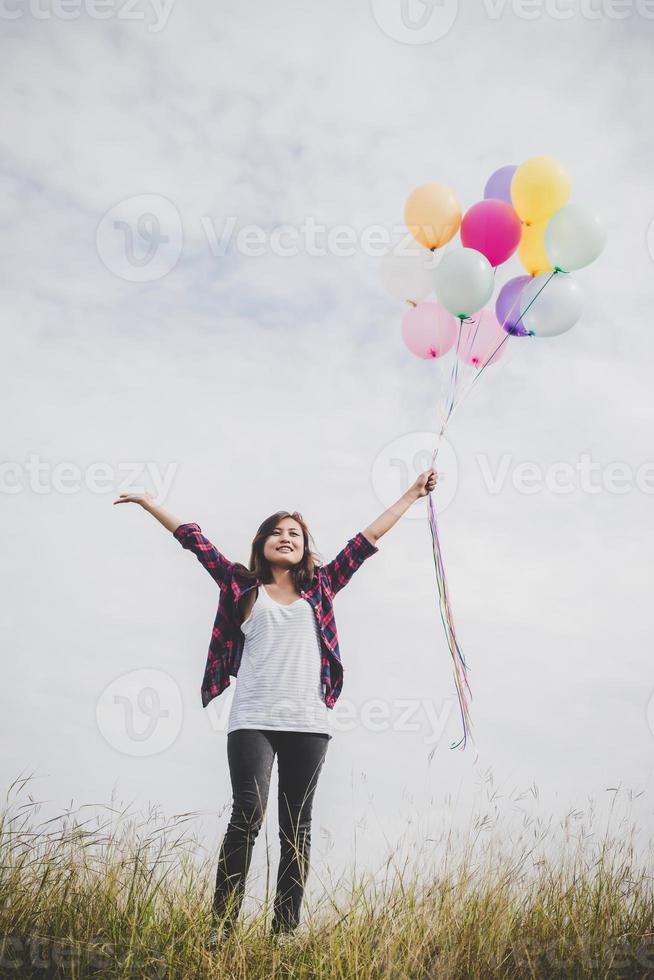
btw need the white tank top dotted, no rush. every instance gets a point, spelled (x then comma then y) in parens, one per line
(278, 684)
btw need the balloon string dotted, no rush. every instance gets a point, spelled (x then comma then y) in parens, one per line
(516, 302)
(469, 388)
(458, 662)
(447, 618)
(474, 336)
(454, 377)
(453, 374)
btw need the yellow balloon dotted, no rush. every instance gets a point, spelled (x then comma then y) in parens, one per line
(539, 187)
(432, 214)
(531, 250)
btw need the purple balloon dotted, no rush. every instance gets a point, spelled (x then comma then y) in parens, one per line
(499, 184)
(507, 307)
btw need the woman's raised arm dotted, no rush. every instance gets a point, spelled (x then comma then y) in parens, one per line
(423, 485)
(147, 503)
(189, 535)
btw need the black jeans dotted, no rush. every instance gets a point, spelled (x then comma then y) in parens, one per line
(250, 753)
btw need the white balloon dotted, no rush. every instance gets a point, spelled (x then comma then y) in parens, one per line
(575, 235)
(464, 281)
(408, 274)
(551, 304)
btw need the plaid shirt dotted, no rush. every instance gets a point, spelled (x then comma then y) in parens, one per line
(227, 640)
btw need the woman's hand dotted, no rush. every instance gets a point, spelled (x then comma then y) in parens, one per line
(169, 521)
(425, 483)
(144, 499)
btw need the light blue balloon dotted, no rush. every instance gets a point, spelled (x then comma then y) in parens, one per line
(551, 304)
(575, 235)
(464, 281)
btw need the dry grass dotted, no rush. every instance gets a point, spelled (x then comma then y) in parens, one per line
(119, 897)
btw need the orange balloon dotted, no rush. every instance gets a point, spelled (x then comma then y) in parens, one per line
(531, 250)
(432, 214)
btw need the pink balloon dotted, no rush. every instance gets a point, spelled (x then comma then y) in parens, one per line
(493, 228)
(483, 339)
(428, 330)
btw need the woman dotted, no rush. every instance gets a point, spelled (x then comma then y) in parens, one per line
(275, 621)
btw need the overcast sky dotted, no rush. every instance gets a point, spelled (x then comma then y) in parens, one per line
(231, 384)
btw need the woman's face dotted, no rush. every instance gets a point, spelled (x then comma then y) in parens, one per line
(285, 544)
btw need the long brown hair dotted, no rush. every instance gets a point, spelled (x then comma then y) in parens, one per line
(302, 574)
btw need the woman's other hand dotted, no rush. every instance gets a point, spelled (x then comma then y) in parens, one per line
(144, 499)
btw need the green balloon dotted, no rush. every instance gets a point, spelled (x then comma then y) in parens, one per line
(575, 235)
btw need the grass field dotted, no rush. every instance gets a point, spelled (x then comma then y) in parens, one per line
(123, 898)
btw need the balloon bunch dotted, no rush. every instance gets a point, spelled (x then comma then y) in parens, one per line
(524, 212)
